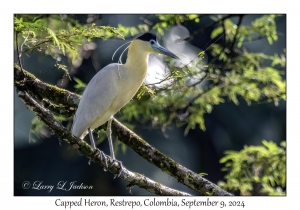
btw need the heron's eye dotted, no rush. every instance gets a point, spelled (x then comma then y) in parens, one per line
(152, 42)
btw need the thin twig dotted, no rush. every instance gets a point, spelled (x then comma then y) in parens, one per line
(235, 35)
(202, 30)
(35, 46)
(161, 81)
(201, 80)
(18, 52)
(22, 45)
(148, 22)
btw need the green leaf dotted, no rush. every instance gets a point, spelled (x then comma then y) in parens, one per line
(216, 32)
(241, 39)
(264, 165)
(53, 36)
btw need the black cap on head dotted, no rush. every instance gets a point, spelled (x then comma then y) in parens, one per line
(147, 37)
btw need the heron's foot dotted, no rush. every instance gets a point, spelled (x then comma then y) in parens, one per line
(121, 167)
(102, 156)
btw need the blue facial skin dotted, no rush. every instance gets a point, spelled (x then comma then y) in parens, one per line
(151, 38)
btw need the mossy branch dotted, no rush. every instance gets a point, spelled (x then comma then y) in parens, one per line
(185, 176)
(65, 101)
(166, 164)
(84, 148)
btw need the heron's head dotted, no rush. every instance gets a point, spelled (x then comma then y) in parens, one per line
(148, 42)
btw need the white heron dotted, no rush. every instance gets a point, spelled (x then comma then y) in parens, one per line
(112, 88)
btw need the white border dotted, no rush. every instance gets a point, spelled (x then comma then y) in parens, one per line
(8, 201)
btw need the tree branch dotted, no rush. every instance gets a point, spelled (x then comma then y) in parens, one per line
(51, 92)
(202, 30)
(151, 154)
(235, 35)
(166, 164)
(19, 54)
(133, 178)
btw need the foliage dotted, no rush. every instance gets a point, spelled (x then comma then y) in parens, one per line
(185, 98)
(254, 77)
(38, 129)
(58, 37)
(166, 21)
(190, 91)
(256, 170)
(125, 30)
(265, 26)
(80, 85)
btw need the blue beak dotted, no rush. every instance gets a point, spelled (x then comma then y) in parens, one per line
(158, 48)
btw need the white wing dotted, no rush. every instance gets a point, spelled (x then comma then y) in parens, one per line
(96, 100)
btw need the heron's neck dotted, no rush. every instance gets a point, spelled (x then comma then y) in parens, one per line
(137, 60)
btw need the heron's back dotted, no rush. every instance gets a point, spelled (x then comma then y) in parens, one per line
(95, 101)
(108, 91)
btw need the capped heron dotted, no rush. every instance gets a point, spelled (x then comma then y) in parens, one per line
(112, 88)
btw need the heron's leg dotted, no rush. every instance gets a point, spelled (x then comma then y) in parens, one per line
(111, 148)
(102, 155)
(110, 142)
